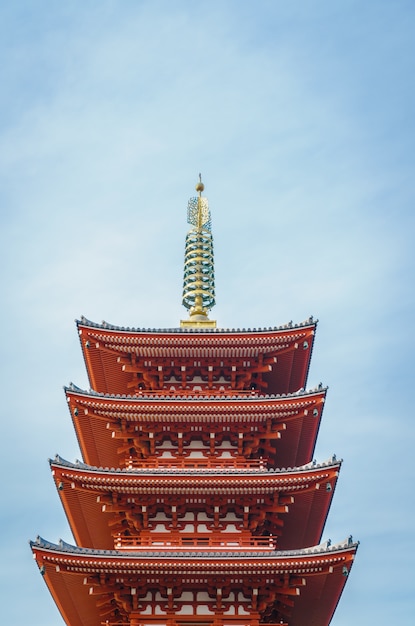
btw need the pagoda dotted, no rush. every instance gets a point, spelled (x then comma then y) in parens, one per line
(197, 500)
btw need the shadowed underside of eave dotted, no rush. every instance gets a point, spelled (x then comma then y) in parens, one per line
(72, 576)
(123, 362)
(96, 501)
(99, 421)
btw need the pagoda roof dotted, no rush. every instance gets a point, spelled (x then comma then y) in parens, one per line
(83, 488)
(105, 345)
(73, 576)
(310, 322)
(174, 471)
(96, 416)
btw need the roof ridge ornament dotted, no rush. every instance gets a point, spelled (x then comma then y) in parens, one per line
(199, 276)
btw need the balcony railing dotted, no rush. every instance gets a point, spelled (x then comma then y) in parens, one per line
(165, 541)
(217, 390)
(194, 620)
(210, 462)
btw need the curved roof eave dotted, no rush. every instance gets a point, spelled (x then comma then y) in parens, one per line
(83, 321)
(330, 463)
(324, 548)
(74, 389)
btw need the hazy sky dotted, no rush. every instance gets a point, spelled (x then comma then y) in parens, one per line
(300, 116)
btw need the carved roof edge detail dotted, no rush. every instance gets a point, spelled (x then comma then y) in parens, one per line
(83, 321)
(323, 548)
(199, 397)
(331, 462)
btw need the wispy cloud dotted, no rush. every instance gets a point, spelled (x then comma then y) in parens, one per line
(300, 119)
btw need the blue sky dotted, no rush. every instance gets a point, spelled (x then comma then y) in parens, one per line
(300, 116)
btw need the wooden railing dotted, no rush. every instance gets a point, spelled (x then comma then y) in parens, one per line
(165, 541)
(210, 462)
(195, 620)
(216, 391)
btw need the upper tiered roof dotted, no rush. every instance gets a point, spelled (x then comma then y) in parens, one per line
(98, 502)
(209, 360)
(283, 429)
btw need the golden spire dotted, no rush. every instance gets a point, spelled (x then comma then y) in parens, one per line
(199, 277)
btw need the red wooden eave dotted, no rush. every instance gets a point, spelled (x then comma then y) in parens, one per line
(98, 418)
(83, 490)
(68, 570)
(106, 347)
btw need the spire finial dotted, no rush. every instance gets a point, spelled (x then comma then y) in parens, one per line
(200, 186)
(199, 280)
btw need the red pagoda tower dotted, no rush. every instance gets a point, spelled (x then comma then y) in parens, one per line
(197, 501)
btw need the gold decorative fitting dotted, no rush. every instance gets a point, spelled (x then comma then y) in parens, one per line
(199, 277)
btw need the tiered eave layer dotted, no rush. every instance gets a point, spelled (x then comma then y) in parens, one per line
(88, 584)
(297, 499)
(121, 360)
(285, 427)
